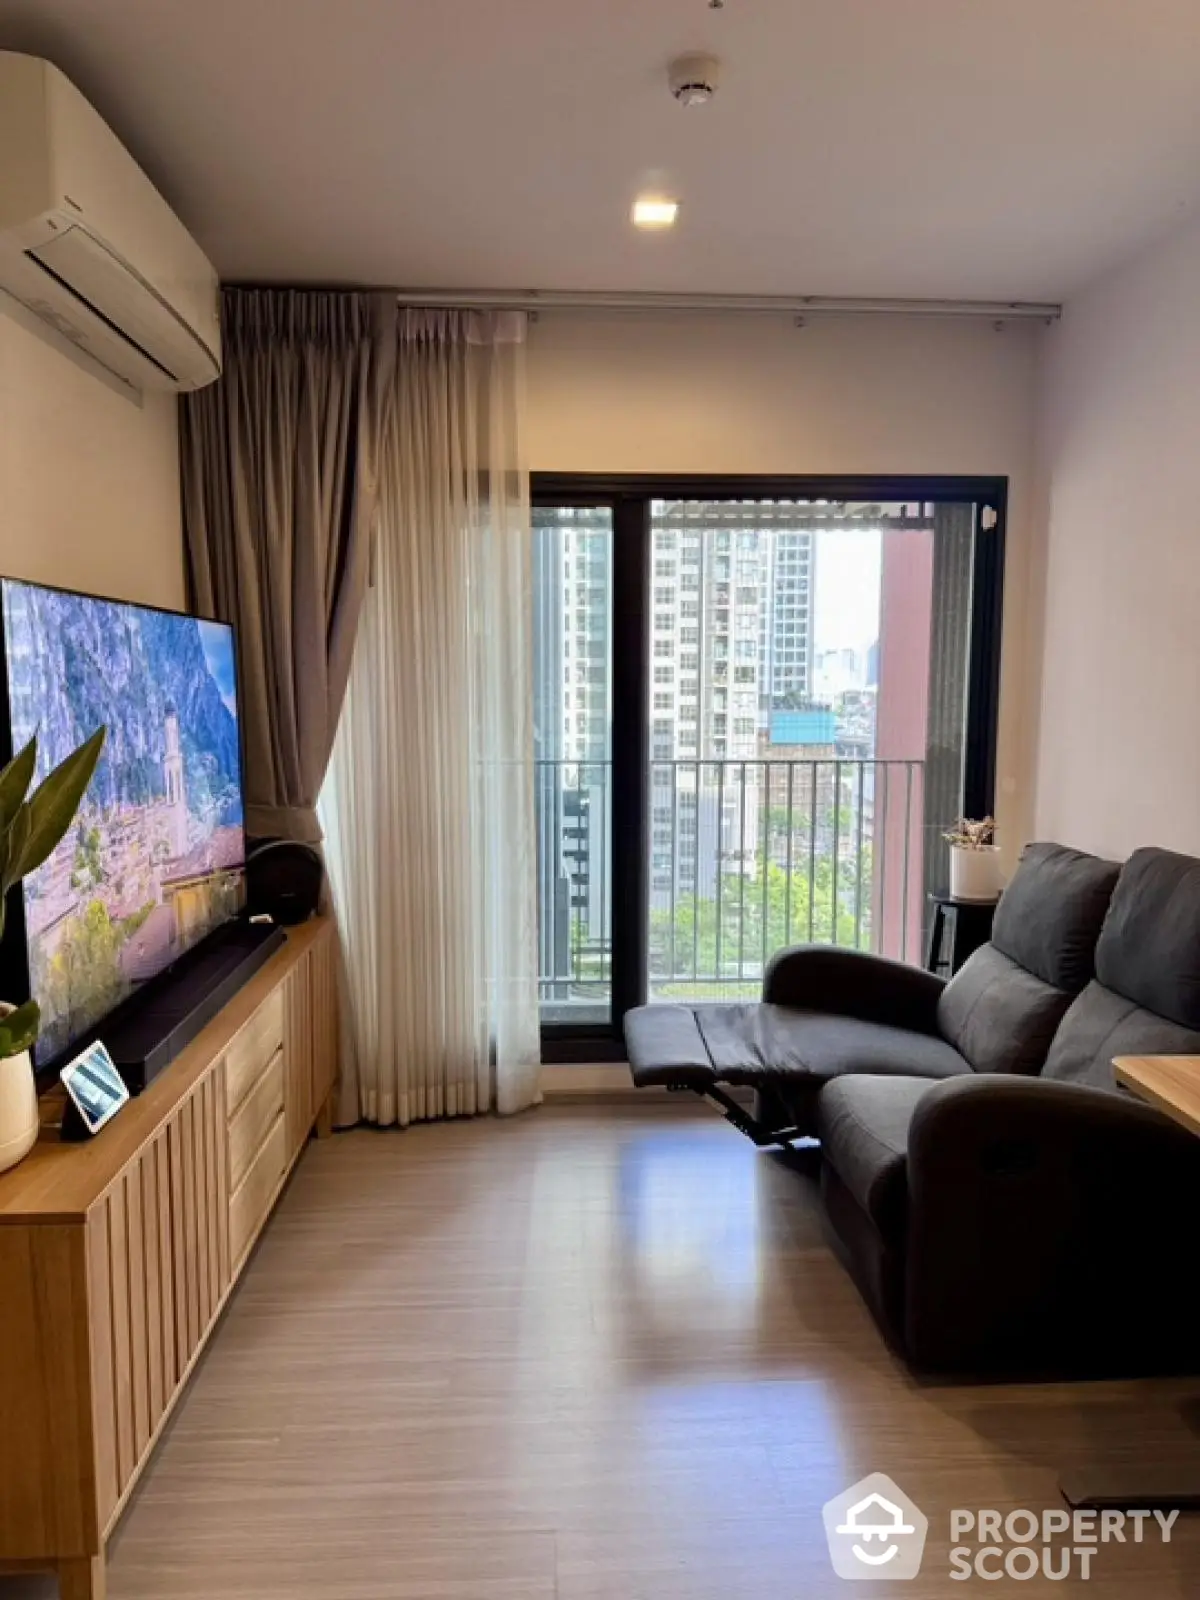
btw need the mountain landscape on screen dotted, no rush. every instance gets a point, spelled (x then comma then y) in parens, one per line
(155, 859)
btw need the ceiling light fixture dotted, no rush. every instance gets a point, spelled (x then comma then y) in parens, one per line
(653, 213)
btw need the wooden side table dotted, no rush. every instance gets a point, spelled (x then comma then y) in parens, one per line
(1172, 1085)
(1169, 1083)
(959, 927)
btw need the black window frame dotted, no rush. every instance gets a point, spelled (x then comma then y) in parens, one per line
(629, 497)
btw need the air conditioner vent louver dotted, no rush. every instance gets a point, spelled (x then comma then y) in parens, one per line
(93, 279)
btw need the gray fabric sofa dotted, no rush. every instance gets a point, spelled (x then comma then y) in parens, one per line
(1003, 1206)
(826, 1013)
(1000, 1224)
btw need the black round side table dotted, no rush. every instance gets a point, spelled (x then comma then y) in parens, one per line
(959, 927)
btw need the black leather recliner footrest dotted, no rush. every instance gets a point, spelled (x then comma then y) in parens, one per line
(667, 1048)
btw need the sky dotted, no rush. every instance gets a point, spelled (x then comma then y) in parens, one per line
(846, 601)
(216, 640)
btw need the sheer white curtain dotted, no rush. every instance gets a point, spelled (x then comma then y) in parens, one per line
(428, 808)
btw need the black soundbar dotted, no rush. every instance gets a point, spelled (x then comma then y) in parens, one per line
(148, 1032)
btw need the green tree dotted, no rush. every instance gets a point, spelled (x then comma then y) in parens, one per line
(762, 909)
(86, 961)
(87, 870)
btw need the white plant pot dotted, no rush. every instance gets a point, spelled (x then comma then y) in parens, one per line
(974, 874)
(18, 1109)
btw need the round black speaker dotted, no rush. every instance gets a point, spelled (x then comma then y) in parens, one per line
(283, 880)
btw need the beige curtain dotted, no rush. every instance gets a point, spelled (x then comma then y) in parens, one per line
(278, 467)
(428, 810)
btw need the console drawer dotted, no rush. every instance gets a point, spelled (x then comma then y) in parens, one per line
(251, 1053)
(257, 1189)
(251, 1122)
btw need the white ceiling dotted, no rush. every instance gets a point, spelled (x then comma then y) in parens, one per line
(982, 148)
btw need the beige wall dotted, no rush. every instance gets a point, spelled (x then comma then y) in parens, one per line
(1119, 753)
(89, 483)
(673, 393)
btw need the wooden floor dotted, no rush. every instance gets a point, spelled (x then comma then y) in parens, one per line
(589, 1354)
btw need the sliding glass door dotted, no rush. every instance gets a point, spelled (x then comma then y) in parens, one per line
(758, 706)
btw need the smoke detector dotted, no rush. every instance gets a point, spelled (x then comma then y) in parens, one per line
(694, 79)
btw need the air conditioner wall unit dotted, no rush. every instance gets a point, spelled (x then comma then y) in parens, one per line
(88, 245)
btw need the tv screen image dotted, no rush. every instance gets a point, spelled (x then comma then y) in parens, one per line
(155, 859)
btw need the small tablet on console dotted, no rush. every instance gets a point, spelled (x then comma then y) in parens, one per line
(96, 1088)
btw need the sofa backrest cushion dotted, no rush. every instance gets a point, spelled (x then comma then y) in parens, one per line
(1049, 918)
(998, 1015)
(1149, 951)
(1101, 1025)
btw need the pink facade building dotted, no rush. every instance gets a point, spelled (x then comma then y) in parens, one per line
(901, 736)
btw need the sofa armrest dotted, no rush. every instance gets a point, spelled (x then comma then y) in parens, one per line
(1046, 1224)
(851, 983)
(1057, 1120)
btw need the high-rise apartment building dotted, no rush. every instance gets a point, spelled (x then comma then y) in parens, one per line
(572, 597)
(731, 622)
(787, 614)
(731, 642)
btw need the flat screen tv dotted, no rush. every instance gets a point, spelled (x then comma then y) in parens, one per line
(155, 861)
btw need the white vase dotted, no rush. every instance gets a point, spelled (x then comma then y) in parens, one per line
(18, 1109)
(974, 874)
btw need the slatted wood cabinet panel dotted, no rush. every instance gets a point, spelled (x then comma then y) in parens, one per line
(117, 1256)
(299, 1008)
(322, 987)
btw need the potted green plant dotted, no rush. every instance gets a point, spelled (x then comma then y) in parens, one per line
(973, 859)
(31, 825)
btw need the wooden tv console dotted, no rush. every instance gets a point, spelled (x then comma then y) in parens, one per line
(117, 1256)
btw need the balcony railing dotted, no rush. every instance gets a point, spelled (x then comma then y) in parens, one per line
(746, 856)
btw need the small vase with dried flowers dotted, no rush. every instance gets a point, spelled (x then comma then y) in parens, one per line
(974, 864)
